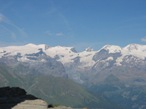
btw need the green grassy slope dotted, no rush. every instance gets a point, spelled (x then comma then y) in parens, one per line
(55, 90)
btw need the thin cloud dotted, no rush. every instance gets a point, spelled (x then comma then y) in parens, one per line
(48, 33)
(64, 19)
(4, 20)
(52, 34)
(54, 11)
(59, 34)
(143, 39)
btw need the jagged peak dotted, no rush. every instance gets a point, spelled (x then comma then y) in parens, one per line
(73, 50)
(88, 49)
(132, 47)
(30, 45)
(112, 48)
(43, 46)
(64, 48)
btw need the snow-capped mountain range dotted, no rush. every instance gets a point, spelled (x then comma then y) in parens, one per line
(69, 55)
(81, 65)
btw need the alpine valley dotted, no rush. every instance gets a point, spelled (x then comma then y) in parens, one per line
(111, 78)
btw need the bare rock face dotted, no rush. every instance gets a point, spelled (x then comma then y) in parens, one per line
(32, 104)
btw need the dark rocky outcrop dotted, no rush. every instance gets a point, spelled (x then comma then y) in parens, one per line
(9, 97)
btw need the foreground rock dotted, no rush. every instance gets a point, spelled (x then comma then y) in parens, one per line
(17, 98)
(31, 104)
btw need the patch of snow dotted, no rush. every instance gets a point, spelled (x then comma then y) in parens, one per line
(88, 49)
(135, 50)
(23, 59)
(43, 46)
(109, 58)
(23, 50)
(119, 60)
(112, 48)
(66, 53)
(86, 58)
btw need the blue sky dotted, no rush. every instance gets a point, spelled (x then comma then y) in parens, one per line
(78, 23)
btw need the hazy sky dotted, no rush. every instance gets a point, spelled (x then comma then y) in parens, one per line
(78, 23)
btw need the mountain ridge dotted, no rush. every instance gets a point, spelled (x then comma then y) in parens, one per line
(68, 55)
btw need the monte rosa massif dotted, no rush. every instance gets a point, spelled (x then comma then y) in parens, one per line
(68, 54)
(112, 75)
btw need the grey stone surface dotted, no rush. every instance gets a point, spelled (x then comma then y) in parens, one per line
(31, 104)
